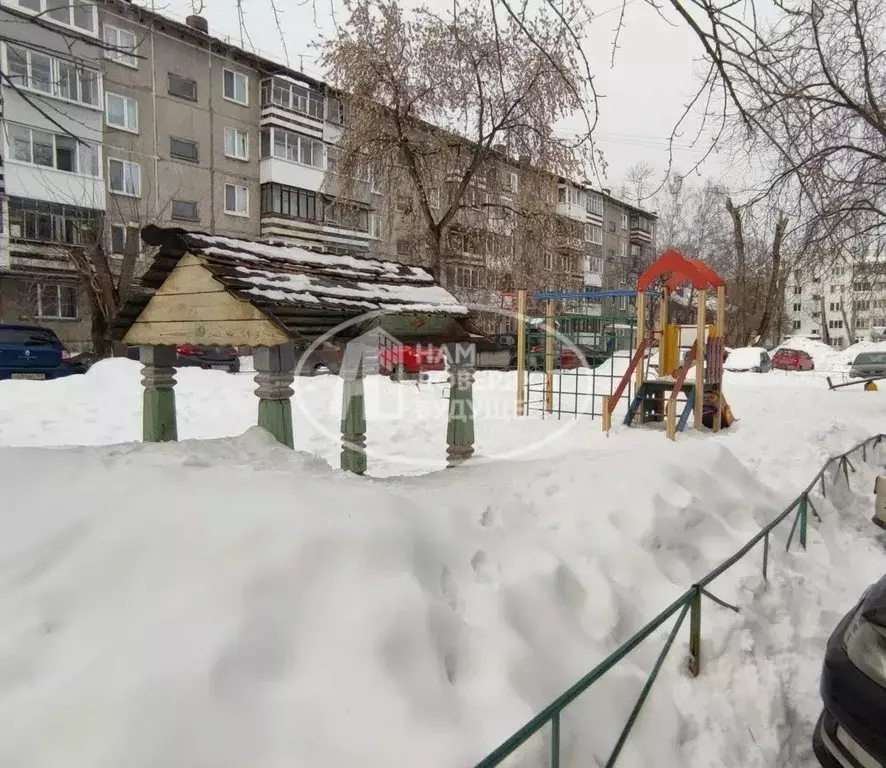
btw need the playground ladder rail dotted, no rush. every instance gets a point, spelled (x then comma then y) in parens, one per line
(689, 602)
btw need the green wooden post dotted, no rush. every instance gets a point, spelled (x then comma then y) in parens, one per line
(158, 405)
(803, 516)
(353, 420)
(460, 423)
(274, 373)
(695, 634)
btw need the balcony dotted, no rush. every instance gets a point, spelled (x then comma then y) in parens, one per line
(640, 231)
(565, 243)
(592, 280)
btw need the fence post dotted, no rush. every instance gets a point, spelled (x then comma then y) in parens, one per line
(555, 741)
(695, 633)
(802, 513)
(765, 556)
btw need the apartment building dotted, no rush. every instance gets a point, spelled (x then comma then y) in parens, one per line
(53, 187)
(168, 124)
(840, 305)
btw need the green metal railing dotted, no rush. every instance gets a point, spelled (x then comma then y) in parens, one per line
(688, 603)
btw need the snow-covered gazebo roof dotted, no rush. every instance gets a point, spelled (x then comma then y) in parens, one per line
(300, 293)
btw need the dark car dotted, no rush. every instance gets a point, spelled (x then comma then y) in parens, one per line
(214, 358)
(32, 352)
(851, 732)
(792, 360)
(868, 364)
(326, 357)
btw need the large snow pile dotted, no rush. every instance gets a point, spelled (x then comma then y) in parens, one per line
(232, 603)
(820, 352)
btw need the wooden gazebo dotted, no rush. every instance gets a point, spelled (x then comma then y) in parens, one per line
(278, 298)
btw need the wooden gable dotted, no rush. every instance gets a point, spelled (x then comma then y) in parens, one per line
(192, 307)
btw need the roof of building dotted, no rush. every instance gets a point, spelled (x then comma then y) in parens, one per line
(304, 292)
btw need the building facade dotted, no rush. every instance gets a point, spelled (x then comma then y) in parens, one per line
(157, 121)
(840, 305)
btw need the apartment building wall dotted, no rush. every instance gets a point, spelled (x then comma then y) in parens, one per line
(51, 156)
(848, 299)
(177, 188)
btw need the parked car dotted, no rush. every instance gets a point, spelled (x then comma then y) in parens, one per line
(850, 732)
(215, 358)
(410, 359)
(755, 359)
(32, 352)
(792, 360)
(498, 352)
(868, 364)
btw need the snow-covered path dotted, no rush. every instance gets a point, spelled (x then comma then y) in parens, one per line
(227, 602)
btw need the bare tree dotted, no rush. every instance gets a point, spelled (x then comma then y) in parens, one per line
(434, 102)
(639, 183)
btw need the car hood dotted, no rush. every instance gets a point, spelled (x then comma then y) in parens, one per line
(874, 605)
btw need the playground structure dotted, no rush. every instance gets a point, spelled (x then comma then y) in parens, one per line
(656, 399)
(563, 359)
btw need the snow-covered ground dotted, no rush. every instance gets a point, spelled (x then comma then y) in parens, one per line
(827, 359)
(225, 602)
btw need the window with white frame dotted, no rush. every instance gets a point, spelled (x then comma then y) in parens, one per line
(50, 150)
(594, 204)
(594, 234)
(513, 182)
(236, 87)
(294, 147)
(294, 97)
(236, 143)
(549, 261)
(78, 14)
(53, 301)
(796, 325)
(236, 200)
(623, 249)
(120, 46)
(124, 177)
(121, 112)
(375, 225)
(595, 264)
(52, 76)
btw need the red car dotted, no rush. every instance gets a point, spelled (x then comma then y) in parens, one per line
(792, 360)
(410, 359)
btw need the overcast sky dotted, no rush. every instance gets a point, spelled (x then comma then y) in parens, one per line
(645, 92)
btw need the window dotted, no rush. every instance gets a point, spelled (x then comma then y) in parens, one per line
(52, 76)
(123, 237)
(623, 249)
(798, 290)
(594, 204)
(335, 111)
(467, 277)
(45, 222)
(79, 14)
(28, 145)
(816, 315)
(236, 200)
(434, 198)
(375, 225)
(181, 87)
(797, 307)
(549, 261)
(796, 325)
(291, 201)
(595, 265)
(403, 247)
(184, 149)
(816, 297)
(346, 215)
(236, 87)
(124, 177)
(298, 98)
(835, 306)
(121, 112)
(612, 226)
(835, 323)
(120, 45)
(624, 221)
(185, 210)
(53, 301)
(294, 147)
(236, 143)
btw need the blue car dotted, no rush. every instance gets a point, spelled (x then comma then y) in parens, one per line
(31, 352)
